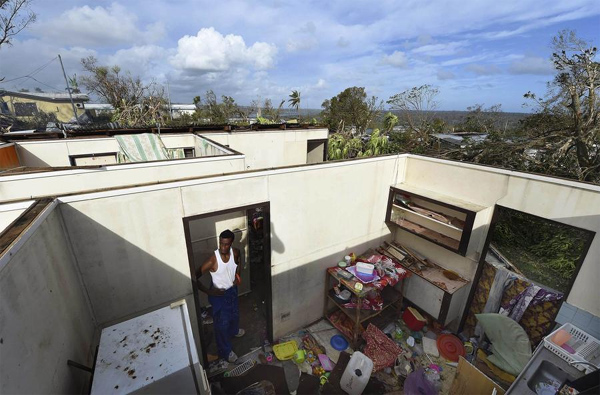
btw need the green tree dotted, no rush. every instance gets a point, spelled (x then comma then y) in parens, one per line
(389, 121)
(210, 110)
(351, 109)
(294, 101)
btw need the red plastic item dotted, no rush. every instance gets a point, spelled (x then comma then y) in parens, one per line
(450, 347)
(413, 319)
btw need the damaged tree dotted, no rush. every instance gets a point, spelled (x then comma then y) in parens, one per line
(569, 137)
(135, 103)
(15, 16)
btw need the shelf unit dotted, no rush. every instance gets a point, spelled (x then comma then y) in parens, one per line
(390, 295)
(443, 220)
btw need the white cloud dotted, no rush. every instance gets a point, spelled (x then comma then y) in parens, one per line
(320, 84)
(210, 51)
(483, 69)
(99, 26)
(468, 59)
(531, 65)
(442, 49)
(396, 59)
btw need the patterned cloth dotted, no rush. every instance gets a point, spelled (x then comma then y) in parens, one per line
(141, 148)
(380, 348)
(532, 295)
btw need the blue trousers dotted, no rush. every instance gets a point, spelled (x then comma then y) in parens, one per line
(226, 319)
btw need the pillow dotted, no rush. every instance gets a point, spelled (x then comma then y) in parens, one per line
(510, 345)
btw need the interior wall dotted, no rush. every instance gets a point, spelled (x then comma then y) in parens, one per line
(56, 152)
(131, 248)
(273, 148)
(568, 202)
(25, 186)
(45, 318)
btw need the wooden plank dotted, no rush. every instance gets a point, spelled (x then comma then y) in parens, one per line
(12, 233)
(470, 380)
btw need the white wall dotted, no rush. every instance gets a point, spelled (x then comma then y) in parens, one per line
(44, 316)
(569, 202)
(10, 212)
(56, 152)
(26, 186)
(133, 240)
(266, 149)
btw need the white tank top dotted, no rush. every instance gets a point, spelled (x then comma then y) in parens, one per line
(224, 277)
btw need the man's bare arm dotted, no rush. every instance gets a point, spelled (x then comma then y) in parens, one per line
(209, 264)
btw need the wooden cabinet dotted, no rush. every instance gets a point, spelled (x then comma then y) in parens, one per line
(445, 221)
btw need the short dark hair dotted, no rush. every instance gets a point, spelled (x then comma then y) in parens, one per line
(227, 234)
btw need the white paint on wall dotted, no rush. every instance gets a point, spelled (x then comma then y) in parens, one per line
(272, 148)
(26, 186)
(44, 316)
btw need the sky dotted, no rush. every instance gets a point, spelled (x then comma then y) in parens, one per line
(473, 51)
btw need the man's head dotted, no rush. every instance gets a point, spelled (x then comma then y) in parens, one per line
(225, 241)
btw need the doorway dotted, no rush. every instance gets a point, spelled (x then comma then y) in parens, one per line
(251, 227)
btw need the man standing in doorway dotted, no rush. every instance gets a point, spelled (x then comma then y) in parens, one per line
(224, 268)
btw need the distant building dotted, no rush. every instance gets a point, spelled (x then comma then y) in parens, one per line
(24, 105)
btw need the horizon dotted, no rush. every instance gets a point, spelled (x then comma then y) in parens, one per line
(473, 53)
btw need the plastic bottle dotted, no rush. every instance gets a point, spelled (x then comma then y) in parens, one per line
(357, 374)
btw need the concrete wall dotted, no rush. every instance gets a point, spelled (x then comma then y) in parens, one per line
(568, 202)
(271, 148)
(45, 317)
(56, 153)
(26, 186)
(133, 239)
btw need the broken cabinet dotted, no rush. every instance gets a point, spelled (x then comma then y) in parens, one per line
(443, 220)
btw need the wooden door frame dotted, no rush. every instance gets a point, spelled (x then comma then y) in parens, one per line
(267, 267)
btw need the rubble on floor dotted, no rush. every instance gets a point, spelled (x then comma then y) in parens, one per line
(398, 354)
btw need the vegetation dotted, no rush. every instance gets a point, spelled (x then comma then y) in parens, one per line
(544, 251)
(15, 16)
(416, 106)
(135, 103)
(351, 110)
(294, 101)
(344, 146)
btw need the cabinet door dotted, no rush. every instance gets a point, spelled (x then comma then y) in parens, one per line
(424, 295)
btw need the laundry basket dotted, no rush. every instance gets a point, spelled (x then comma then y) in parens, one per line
(586, 347)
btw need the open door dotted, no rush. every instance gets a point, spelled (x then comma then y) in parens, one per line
(202, 237)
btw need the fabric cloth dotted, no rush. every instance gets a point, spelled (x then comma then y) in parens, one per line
(226, 318)
(141, 147)
(502, 280)
(380, 348)
(510, 343)
(532, 295)
(176, 153)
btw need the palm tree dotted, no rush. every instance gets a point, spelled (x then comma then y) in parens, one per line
(294, 101)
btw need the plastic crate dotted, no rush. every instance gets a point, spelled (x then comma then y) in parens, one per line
(587, 347)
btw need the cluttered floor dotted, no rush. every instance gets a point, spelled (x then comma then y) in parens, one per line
(380, 350)
(313, 360)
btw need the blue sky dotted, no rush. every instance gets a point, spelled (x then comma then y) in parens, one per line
(486, 52)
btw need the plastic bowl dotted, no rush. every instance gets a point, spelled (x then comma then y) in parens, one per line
(366, 277)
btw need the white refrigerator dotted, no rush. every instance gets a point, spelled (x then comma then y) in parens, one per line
(154, 353)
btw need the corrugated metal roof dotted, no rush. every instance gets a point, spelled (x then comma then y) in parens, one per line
(54, 96)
